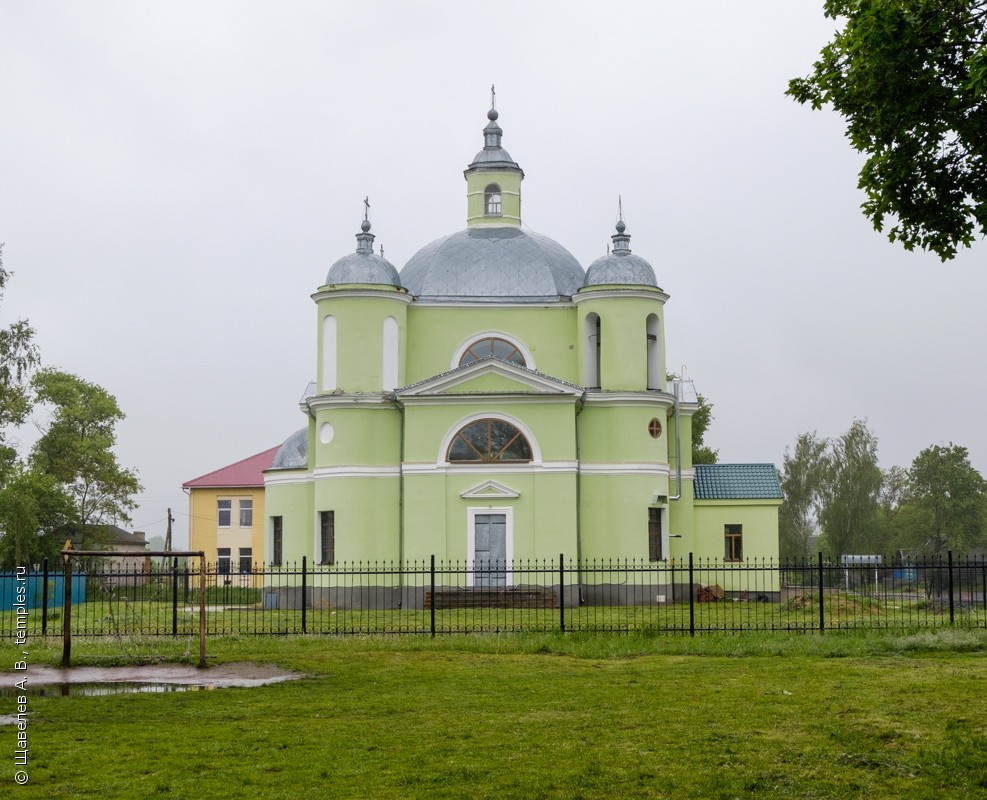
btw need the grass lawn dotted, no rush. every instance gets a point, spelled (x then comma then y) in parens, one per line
(548, 716)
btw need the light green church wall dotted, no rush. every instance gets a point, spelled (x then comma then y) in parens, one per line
(510, 191)
(623, 340)
(614, 520)
(361, 436)
(436, 334)
(360, 338)
(293, 503)
(543, 515)
(365, 516)
(551, 425)
(760, 531)
(619, 434)
(681, 521)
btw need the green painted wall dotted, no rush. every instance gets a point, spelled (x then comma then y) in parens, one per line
(623, 339)
(435, 334)
(509, 182)
(361, 436)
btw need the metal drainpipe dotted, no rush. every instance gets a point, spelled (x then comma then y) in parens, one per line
(400, 509)
(579, 517)
(678, 445)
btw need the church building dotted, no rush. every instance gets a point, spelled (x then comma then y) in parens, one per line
(494, 401)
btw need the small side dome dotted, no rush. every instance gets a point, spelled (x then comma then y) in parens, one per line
(363, 266)
(621, 266)
(293, 454)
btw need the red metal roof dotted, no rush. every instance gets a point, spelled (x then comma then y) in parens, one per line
(248, 472)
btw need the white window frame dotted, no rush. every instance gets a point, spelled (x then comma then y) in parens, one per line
(241, 509)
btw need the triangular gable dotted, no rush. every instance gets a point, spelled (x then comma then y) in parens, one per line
(491, 489)
(490, 375)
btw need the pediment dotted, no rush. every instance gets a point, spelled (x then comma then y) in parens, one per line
(490, 376)
(491, 490)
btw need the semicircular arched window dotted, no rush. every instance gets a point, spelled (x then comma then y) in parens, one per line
(489, 441)
(492, 346)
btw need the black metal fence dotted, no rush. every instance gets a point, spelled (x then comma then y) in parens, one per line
(137, 598)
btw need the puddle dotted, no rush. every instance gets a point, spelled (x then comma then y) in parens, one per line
(154, 678)
(69, 689)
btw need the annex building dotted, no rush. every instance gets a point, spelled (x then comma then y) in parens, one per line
(494, 400)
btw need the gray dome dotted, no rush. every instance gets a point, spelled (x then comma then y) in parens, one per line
(624, 268)
(491, 264)
(363, 268)
(293, 454)
(621, 266)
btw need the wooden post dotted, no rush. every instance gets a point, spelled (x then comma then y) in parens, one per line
(67, 607)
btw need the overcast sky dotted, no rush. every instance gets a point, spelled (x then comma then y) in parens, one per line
(176, 178)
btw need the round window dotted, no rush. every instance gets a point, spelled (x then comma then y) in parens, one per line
(654, 428)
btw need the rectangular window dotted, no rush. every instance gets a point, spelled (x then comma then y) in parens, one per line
(223, 561)
(246, 513)
(654, 534)
(733, 542)
(327, 537)
(277, 538)
(225, 512)
(246, 559)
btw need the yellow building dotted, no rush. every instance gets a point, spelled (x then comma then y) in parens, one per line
(226, 514)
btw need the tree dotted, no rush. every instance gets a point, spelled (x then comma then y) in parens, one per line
(909, 77)
(701, 420)
(34, 511)
(849, 513)
(701, 453)
(951, 492)
(803, 476)
(76, 448)
(18, 357)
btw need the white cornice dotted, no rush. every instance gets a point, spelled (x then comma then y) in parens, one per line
(650, 399)
(287, 478)
(485, 304)
(487, 398)
(499, 469)
(624, 469)
(381, 402)
(393, 293)
(321, 473)
(610, 294)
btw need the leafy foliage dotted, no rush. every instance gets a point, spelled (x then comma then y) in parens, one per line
(853, 481)
(76, 448)
(951, 493)
(18, 357)
(909, 78)
(34, 509)
(803, 478)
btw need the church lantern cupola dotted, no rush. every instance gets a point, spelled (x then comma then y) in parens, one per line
(493, 179)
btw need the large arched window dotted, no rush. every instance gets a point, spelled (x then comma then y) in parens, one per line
(492, 346)
(490, 441)
(492, 205)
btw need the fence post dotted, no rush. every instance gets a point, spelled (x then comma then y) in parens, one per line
(44, 599)
(174, 597)
(983, 575)
(304, 591)
(562, 592)
(692, 600)
(822, 598)
(949, 573)
(431, 596)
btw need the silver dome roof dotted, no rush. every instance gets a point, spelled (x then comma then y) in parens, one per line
(488, 264)
(363, 266)
(293, 454)
(625, 268)
(621, 266)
